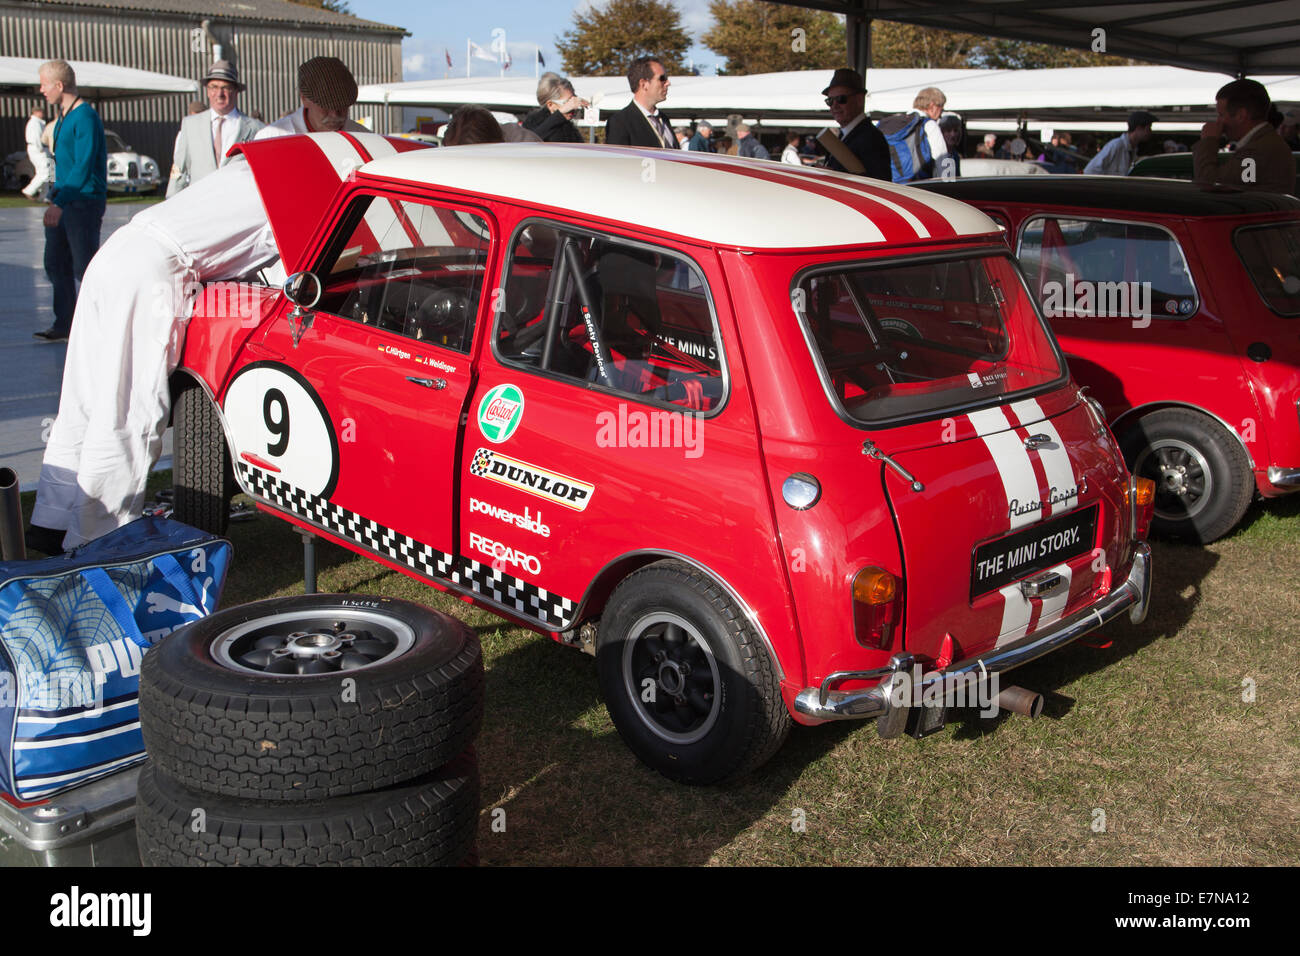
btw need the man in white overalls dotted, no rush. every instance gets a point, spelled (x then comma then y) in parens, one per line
(135, 303)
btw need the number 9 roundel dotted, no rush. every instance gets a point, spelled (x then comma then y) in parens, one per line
(278, 423)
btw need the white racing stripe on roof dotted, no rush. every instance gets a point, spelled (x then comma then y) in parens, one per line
(708, 201)
(865, 192)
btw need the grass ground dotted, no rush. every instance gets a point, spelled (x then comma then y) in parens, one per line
(1146, 754)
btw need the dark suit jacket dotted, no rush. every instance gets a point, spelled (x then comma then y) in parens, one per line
(868, 144)
(629, 127)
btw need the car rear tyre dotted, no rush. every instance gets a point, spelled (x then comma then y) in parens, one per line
(202, 476)
(309, 697)
(687, 681)
(1203, 477)
(428, 821)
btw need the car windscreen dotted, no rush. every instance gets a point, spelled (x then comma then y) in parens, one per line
(1271, 255)
(898, 341)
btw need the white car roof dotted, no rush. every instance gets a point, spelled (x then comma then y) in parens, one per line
(720, 200)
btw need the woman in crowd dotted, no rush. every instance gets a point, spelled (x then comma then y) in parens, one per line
(559, 105)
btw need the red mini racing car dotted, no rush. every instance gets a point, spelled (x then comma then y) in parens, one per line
(805, 461)
(1177, 309)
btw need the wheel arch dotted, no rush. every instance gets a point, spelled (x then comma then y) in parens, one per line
(1132, 415)
(617, 570)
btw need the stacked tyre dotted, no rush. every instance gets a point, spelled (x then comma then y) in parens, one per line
(321, 729)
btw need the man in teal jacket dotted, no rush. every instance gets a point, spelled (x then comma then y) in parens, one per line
(78, 195)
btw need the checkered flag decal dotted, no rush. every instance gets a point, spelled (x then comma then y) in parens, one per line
(479, 466)
(524, 598)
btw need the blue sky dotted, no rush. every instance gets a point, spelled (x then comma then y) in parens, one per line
(527, 25)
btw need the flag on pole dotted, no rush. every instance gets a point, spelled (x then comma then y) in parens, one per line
(479, 53)
(541, 59)
(506, 63)
(447, 54)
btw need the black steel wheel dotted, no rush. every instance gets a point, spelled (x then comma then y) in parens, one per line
(1203, 479)
(309, 697)
(688, 683)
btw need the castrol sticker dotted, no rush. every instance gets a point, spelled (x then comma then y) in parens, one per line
(542, 482)
(500, 412)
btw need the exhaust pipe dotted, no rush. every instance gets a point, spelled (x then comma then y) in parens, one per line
(1020, 701)
(12, 547)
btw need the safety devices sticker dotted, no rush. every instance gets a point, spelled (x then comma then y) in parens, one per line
(500, 412)
(513, 473)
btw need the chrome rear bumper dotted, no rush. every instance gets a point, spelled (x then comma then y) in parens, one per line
(825, 703)
(1284, 477)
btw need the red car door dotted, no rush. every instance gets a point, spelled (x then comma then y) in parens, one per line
(348, 417)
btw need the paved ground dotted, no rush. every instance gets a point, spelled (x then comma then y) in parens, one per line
(31, 370)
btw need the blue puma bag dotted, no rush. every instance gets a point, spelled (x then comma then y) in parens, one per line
(73, 631)
(909, 148)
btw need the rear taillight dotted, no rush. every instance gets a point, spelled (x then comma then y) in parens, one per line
(877, 596)
(1144, 503)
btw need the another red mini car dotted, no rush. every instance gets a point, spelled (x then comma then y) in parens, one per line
(1177, 308)
(770, 465)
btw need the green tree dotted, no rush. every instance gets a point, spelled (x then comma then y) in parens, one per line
(757, 37)
(904, 45)
(604, 42)
(994, 54)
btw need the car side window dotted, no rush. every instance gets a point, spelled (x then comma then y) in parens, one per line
(613, 313)
(1089, 268)
(414, 269)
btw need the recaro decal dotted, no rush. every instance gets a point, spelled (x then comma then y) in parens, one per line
(503, 555)
(500, 412)
(550, 485)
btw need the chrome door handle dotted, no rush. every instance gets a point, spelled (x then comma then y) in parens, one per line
(434, 383)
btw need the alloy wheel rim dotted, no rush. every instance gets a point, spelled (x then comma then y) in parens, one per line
(1184, 480)
(671, 677)
(299, 644)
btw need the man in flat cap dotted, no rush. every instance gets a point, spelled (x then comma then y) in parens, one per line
(327, 90)
(206, 137)
(859, 147)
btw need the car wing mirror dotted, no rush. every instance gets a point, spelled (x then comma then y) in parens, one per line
(303, 289)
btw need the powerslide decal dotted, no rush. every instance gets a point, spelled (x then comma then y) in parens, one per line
(500, 412)
(550, 485)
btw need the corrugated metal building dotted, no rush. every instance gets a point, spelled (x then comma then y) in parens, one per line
(265, 39)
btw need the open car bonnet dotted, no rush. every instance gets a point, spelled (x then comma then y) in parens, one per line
(299, 176)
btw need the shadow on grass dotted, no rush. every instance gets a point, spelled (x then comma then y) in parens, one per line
(1177, 573)
(560, 787)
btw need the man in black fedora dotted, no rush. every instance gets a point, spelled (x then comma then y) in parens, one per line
(205, 138)
(858, 143)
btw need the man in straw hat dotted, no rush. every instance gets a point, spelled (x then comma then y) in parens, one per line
(206, 137)
(327, 90)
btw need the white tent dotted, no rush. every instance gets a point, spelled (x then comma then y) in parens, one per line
(1081, 94)
(95, 81)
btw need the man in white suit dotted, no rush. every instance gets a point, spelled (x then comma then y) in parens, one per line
(205, 138)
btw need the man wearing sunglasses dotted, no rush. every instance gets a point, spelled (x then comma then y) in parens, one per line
(847, 98)
(640, 123)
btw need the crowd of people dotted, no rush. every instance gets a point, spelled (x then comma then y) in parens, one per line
(114, 401)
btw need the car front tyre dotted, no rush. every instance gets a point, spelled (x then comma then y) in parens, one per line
(202, 474)
(687, 681)
(1203, 478)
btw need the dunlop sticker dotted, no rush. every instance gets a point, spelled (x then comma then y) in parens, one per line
(550, 485)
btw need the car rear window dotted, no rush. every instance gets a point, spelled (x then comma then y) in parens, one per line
(907, 340)
(1271, 255)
